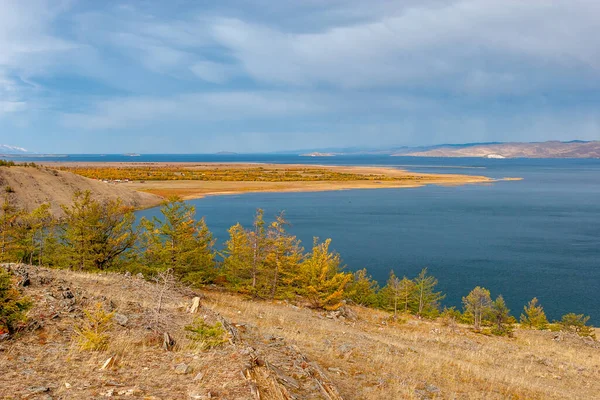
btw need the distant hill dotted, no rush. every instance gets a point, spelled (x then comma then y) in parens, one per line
(552, 149)
(29, 187)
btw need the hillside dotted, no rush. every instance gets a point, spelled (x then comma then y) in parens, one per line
(275, 350)
(30, 187)
(551, 149)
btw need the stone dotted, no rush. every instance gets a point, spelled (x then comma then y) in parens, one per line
(108, 364)
(195, 305)
(120, 319)
(39, 389)
(183, 369)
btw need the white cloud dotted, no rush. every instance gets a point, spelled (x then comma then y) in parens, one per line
(484, 46)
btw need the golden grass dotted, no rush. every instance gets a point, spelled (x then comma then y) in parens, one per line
(422, 358)
(193, 180)
(369, 357)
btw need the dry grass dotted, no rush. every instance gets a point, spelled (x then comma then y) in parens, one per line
(364, 357)
(267, 178)
(375, 359)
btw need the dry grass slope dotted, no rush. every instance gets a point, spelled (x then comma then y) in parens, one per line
(31, 187)
(276, 351)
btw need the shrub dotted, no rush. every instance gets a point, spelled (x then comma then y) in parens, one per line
(9, 189)
(208, 336)
(13, 305)
(576, 323)
(534, 317)
(93, 330)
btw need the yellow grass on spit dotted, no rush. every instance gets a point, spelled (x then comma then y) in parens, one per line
(196, 180)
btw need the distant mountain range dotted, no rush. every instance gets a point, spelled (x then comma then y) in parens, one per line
(6, 149)
(552, 149)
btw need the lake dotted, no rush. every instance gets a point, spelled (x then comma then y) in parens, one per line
(536, 237)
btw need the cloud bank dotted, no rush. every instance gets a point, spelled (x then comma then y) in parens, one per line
(265, 76)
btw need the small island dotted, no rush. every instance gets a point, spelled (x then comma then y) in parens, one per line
(317, 154)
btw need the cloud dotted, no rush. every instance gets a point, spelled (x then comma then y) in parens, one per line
(301, 73)
(141, 111)
(460, 46)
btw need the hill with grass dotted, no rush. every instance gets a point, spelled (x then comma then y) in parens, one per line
(27, 187)
(117, 335)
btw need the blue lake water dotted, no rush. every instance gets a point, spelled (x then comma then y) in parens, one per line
(536, 237)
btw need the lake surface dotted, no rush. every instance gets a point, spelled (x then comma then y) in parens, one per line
(537, 237)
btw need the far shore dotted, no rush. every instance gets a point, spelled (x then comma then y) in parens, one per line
(378, 178)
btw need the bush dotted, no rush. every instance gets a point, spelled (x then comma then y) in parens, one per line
(208, 336)
(13, 305)
(93, 330)
(576, 323)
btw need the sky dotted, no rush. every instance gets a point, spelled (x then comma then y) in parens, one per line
(153, 76)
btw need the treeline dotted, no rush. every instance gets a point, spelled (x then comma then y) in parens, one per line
(263, 261)
(10, 163)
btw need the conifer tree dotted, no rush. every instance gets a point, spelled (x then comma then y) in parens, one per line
(500, 317)
(10, 231)
(576, 323)
(237, 258)
(534, 317)
(259, 244)
(283, 258)
(180, 242)
(390, 295)
(363, 289)
(426, 298)
(37, 229)
(321, 280)
(95, 235)
(13, 306)
(479, 304)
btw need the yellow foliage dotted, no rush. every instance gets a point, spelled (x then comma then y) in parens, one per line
(93, 330)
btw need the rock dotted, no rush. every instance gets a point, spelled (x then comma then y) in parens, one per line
(139, 275)
(199, 377)
(183, 369)
(127, 274)
(67, 294)
(39, 389)
(108, 363)
(345, 348)
(195, 305)
(121, 319)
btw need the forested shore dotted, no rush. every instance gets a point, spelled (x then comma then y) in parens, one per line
(263, 261)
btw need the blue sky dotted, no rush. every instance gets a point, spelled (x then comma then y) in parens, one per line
(252, 76)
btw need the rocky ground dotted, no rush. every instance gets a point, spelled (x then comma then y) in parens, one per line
(44, 361)
(274, 350)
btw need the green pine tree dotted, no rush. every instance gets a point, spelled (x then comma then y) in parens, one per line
(321, 280)
(426, 299)
(534, 317)
(478, 303)
(95, 235)
(180, 242)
